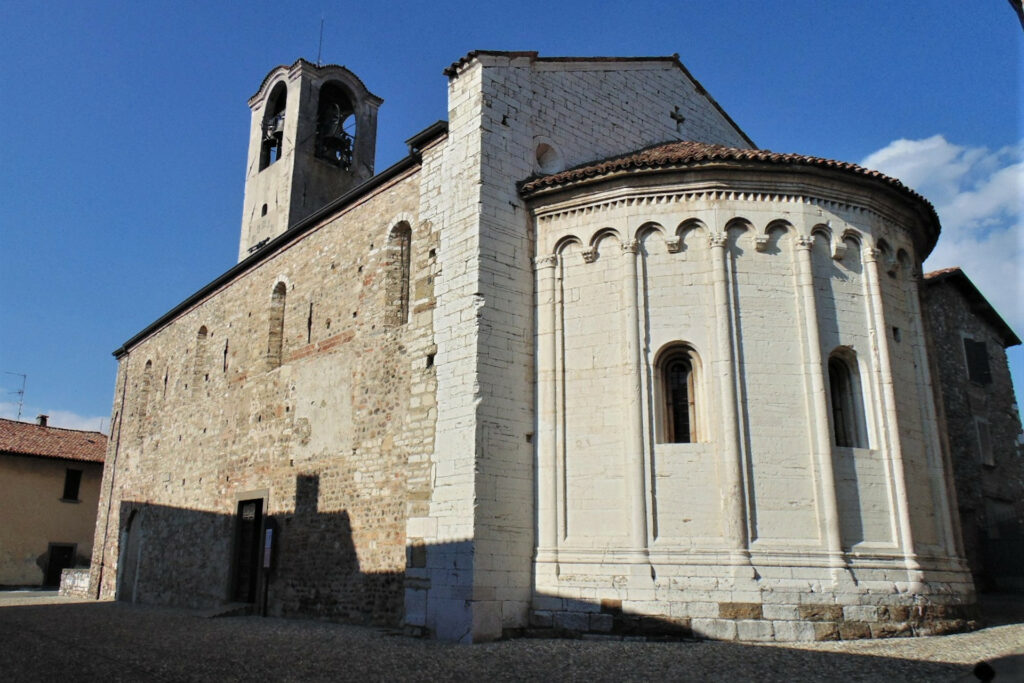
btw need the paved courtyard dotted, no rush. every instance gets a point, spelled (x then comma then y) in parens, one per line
(47, 637)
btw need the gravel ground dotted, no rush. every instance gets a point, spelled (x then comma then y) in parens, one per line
(44, 636)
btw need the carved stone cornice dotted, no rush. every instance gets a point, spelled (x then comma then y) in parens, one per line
(548, 261)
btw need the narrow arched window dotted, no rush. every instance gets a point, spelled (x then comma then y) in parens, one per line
(275, 336)
(273, 126)
(399, 264)
(199, 371)
(678, 394)
(144, 394)
(848, 428)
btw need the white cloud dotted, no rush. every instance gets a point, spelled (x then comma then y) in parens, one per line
(979, 196)
(58, 418)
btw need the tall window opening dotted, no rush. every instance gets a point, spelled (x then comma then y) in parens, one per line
(275, 337)
(147, 385)
(273, 126)
(978, 369)
(848, 428)
(399, 265)
(677, 373)
(335, 126)
(199, 367)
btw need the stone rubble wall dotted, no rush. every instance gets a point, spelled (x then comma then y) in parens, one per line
(991, 509)
(335, 440)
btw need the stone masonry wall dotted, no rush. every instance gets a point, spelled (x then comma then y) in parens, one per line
(335, 441)
(761, 527)
(501, 109)
(988, 490)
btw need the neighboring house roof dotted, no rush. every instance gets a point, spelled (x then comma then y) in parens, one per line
(26, 438)
(978, 303)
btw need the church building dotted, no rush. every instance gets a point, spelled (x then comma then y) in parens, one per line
(587, 359)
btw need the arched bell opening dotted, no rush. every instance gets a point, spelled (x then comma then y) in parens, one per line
(273, 126)
(336, 126)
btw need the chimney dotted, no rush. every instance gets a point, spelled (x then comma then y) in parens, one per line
(41, 420)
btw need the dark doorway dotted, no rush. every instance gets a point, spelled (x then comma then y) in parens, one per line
(247, 549)
(61, 557)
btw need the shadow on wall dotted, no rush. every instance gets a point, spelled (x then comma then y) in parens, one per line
(199, 559)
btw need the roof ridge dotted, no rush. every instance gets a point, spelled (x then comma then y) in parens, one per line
(63, 429)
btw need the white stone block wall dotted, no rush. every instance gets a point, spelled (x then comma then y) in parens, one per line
(814, 520)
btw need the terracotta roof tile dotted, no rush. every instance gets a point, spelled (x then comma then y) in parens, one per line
(26, 438)
(978, 303)
(691, 153)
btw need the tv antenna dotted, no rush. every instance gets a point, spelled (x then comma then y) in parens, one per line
(20, 392)
(320, 47)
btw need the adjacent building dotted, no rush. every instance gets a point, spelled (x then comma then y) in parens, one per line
(983, 425)
(585, 359)
(49, 491)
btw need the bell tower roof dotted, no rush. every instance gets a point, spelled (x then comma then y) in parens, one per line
(337, 70)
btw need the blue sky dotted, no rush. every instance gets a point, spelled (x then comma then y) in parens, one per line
(123, 133)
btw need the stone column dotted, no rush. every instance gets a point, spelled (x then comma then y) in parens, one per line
(929, 418)
(547, 409)
(817, 402)
(890, 422)
(634, 416)
(734, 507)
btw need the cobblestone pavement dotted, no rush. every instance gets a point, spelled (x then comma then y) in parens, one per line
(47, 637)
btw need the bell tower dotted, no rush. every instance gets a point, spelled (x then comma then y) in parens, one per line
(312, 137)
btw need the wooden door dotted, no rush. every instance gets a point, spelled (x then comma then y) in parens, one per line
(249, 523)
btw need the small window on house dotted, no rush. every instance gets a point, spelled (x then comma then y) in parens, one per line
(977, 362)
(984, 442)
(72, 482)
(275, 335)
(848, 428)
(678, 394)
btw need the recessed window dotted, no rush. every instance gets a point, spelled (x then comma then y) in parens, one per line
(72, 484)
(677, 374)
(978, 369)
(984, 442)
(548, 158)
(275, 335)
(848, 428)
(399, 265)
